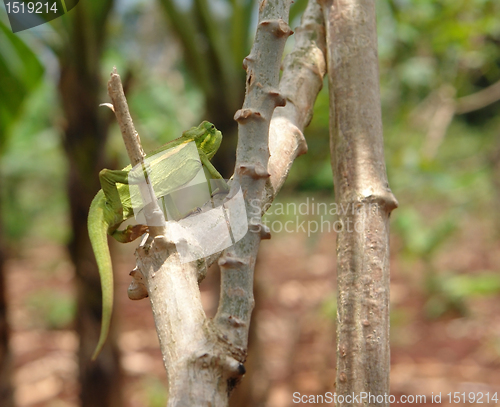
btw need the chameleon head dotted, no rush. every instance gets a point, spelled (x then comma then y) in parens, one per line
(209, 139)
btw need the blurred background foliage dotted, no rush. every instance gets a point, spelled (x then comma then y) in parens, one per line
(423, 45)
(443, 167)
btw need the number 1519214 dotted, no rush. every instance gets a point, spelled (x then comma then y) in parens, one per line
(472, 397)
(16, 7)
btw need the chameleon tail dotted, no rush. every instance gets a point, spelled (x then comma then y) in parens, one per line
(98, 227)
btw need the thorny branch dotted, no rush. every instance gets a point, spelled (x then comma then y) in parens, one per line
(204, 358)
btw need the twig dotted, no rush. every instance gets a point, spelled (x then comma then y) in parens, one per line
(152, 211)
(302, 79)
(478, 100)
(130, 137)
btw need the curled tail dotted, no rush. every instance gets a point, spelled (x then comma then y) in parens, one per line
(98, 228)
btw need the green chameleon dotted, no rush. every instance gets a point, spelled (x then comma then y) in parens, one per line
(113, 204)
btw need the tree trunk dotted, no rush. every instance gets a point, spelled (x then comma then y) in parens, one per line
(364, 200)
(85, 134)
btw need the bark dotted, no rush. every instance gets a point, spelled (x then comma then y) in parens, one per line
(363, 359)
(84, 138)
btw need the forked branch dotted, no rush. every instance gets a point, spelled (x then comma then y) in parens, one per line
(204, 359)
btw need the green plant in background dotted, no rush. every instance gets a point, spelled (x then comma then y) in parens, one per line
(424, 242)
(20, 74)
(431, 55)
(33, 200)
(424, 44)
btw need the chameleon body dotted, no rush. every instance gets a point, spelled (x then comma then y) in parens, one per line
(113, 205)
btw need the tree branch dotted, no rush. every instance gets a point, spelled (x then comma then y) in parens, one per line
(136, 154)
(302, 79)
(252, 155)
(478, 100)
(361, 186)
(204, 358)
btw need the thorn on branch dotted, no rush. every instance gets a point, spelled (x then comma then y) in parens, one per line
(247, 61)
(243, 115)
(230, 262)
(279, 99)
(302, 148)
(265, 232)
(234, 321)
(256, 171)
(108, 105)
(277, 27)
(261, 229)
(234, 366)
